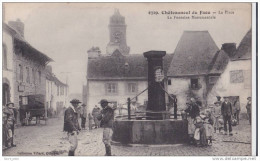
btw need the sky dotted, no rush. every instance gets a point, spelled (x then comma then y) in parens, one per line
(65, 31)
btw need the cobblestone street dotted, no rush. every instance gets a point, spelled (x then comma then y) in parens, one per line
(50, 140)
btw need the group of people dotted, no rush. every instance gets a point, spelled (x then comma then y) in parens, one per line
(202, 124)
(93, 121)
(8, 124)
(71, 124)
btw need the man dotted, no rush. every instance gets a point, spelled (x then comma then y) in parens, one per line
(107, 118)
(248, 108)
(71, 125)
(10, 115)
(226, 111)
(95, 113)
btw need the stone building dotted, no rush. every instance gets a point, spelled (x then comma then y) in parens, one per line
(118, 77)
(57, 93)
(235, 80)
(26, 63)
(8, 64)
(189, 73)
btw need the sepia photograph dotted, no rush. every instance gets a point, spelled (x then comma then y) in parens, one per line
(128, 79)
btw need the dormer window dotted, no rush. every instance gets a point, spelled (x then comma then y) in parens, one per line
(127, 68)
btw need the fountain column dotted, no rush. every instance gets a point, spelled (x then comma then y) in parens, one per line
(156, 95)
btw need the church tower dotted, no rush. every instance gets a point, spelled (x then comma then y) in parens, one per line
(117, 34)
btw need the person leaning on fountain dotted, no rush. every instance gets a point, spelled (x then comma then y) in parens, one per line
(106, 117)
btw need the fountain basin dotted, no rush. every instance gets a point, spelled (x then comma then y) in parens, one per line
(150, 131)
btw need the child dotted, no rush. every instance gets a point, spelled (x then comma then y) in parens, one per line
(217, 115)
(200, 132)
(208, 122)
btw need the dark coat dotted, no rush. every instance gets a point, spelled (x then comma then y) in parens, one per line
(71, 120)
(193, 110)
(226, 109)
(248, 107)
(106, 117)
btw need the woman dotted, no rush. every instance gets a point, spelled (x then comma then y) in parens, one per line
(193, 111)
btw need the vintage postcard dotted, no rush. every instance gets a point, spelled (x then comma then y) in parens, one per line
(128, 79)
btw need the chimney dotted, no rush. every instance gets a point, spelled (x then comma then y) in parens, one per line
(18, 26)
(49, 68)
(94, 52)
(229, 48)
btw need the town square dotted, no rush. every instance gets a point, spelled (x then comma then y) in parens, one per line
(127, 79)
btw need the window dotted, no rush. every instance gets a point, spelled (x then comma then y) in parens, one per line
(4, 51)
(40, 77)
(61, 104)
(132, 87)
(20, 72)
(213, 80)
(27, 75)
(169, 82)
(61, 90)
(111, 88)
(113, 103)
(48, 86)
(194, 83)
(236, 76)
(58, 90)
(33, 76)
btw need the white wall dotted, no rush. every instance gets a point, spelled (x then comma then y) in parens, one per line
(96, 92)
(223, 87)
(9, 73)
(181, 86)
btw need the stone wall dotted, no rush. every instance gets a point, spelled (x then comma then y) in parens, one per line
(224, 87)
(181, 88)
(32, 88)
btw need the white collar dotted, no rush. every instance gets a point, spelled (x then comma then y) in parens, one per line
(73, 108)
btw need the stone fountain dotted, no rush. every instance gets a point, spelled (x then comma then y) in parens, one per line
(155, 129)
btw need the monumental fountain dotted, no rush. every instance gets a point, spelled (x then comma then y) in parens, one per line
(155, 128)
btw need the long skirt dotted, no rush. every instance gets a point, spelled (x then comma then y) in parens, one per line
(209, 130)
(200, 135)
(191, 126)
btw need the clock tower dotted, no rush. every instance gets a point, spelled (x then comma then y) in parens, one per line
(117, 34)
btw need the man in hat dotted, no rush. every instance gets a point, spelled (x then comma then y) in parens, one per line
(71, 125)
(83, 116)
(10, 115)
(226, 111)
(106, 117)
(248, 108)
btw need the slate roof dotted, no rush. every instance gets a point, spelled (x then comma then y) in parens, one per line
(193, 54)
(116, 66)
(219, 62)
(51, 77)
(27, 47)
(244, 50)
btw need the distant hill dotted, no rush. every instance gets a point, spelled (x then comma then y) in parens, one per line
(75, 96)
